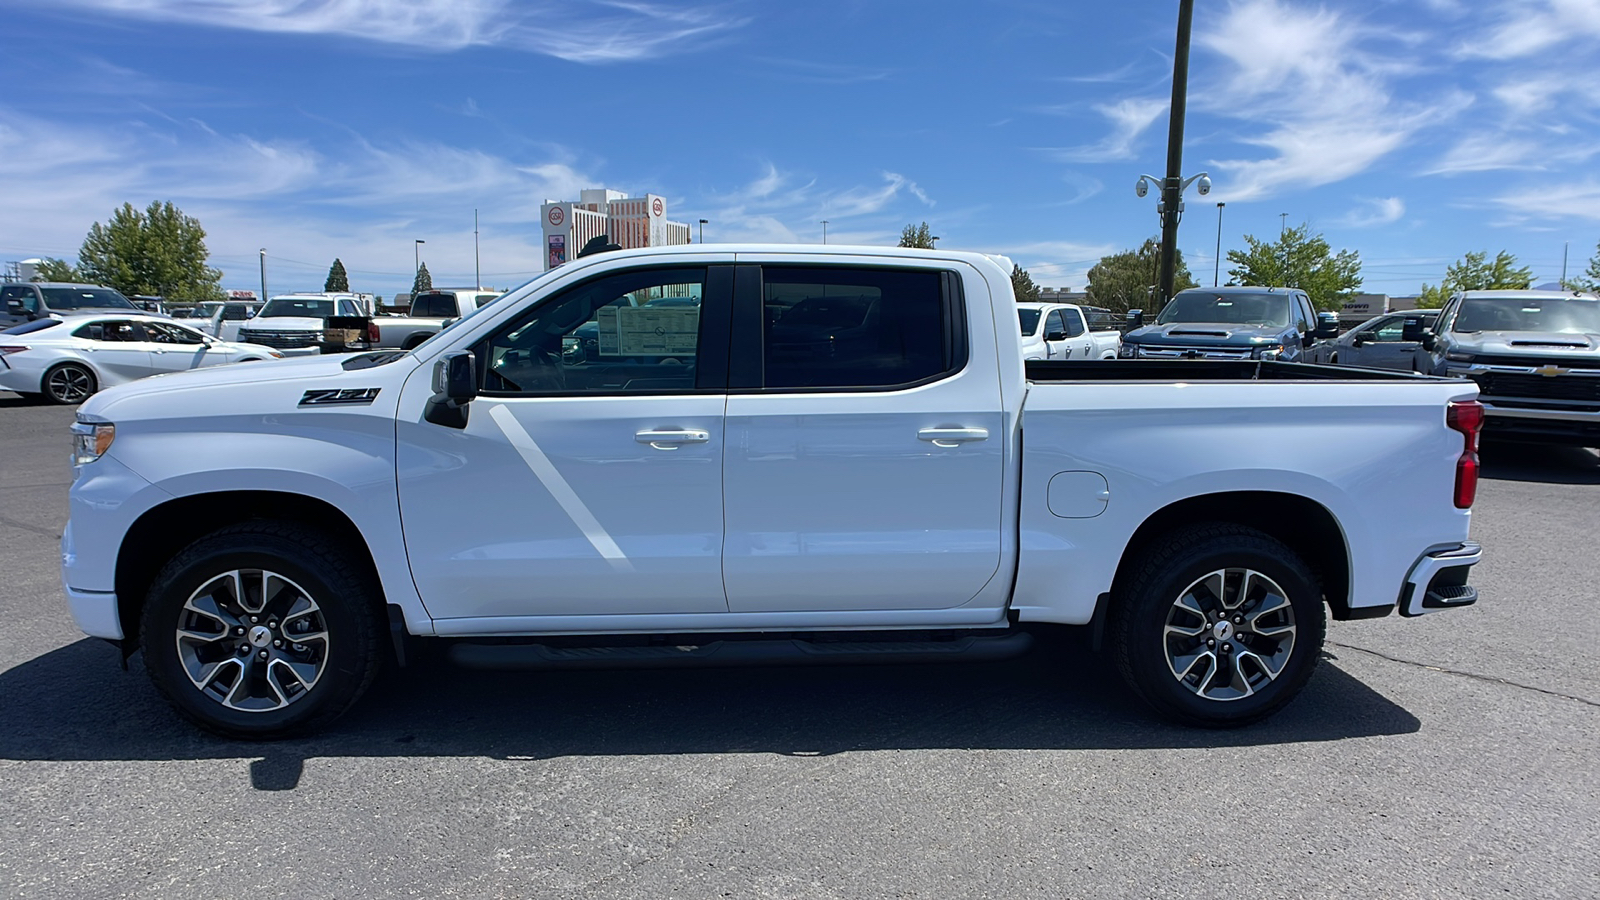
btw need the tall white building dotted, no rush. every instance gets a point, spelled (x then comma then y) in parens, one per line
(628, 221)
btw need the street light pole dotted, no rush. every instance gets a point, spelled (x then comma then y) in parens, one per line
(416, 259)
(824, 231)
(1283, 233)
(477, 271)
(1172, 186)
(263, 274)
(703, 224)
(1216, 271)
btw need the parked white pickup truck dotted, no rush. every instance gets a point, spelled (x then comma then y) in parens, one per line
(430, 310)
(1060, 331)
(733, 478)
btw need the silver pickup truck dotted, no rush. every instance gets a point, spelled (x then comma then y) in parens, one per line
(429, 311)
(1535, 356)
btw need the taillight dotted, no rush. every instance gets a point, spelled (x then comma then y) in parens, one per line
(1467, 418)
(6, 349)
(372, 332)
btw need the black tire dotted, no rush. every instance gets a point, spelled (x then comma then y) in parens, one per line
(1248, 675)
(68, 383)
(310, 567)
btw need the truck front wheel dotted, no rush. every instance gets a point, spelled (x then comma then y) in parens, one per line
(262, 630)
(1220, 625)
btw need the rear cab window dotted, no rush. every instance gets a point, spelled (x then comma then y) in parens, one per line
(850, 328)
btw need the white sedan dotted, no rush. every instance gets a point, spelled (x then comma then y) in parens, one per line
(67, 359)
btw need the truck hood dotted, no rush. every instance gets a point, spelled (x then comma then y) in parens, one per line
(282, 323)
(1191, 334)
(316, 371)
(1524, 343)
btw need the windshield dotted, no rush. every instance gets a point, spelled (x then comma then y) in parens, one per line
(1226, 309)
(84, 298)
(313, 307)
(1030, 320)
(1561, 315)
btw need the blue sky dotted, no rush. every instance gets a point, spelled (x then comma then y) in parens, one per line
(1411, 131)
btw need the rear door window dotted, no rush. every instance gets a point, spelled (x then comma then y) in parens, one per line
(1073, 321)
(861, 328)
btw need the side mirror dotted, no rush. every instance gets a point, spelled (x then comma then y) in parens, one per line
(1360, 340)
(455, 384)
(1135, 318)
(1057, 335)
(1413, 332)
(1327, 325)
(15, 307)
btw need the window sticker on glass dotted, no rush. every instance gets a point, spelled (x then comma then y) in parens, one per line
(646, 331)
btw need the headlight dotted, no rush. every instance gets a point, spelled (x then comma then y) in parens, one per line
(90, 441)
(1272, 351)
(1459, 357)
(1128, 351)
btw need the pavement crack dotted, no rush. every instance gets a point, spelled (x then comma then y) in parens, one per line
(33, 528)
(1489, 679)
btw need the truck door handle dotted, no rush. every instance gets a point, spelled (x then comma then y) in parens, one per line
(951, 437)
(670, 439)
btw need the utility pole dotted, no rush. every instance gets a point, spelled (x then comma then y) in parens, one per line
(477, 273)
(1216, 270)
(1283, 233)
(703, 223)
(263, 274)
(1564, 246)
(1172, 186)
(824, 231)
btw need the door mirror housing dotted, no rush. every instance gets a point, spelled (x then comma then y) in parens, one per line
(455, 385)
(1056, 335)
(1135, 319)
(1413, 331)
(1327, 325)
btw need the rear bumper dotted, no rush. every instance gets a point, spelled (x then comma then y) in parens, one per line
(1438, 581)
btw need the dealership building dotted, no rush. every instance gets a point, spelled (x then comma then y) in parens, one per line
(628, 221)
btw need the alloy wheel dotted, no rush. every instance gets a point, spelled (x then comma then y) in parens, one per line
(252, 640)
(1229, 634)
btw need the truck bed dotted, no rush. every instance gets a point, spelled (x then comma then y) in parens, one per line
(1174, 370)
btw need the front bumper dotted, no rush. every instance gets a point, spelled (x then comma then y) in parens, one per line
(95, 612)
(1439, 580)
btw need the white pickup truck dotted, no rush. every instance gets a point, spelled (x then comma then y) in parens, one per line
(1060, 331)
(430, 310)
(735, 478)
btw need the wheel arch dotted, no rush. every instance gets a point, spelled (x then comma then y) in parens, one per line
(162, 531)
(1306, 526)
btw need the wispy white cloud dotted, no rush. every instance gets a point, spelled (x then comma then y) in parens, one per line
(1058, 264)
(584, 31)
(1564, 199)
(1375, 211)
(1129, 119)
(783, 207)
(1531, 27)
(815, 72)
(1310, 92)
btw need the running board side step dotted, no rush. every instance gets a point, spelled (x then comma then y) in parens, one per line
(785, 652)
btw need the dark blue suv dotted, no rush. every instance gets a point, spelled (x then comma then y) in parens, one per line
(1234, 323)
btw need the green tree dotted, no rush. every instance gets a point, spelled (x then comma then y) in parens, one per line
(52, 269)
(156, 251)
(424, 281)
(1475, 272)
(337, 279)
(1130, 279)
(1022, 285)
(1300, 260)
(917, 236)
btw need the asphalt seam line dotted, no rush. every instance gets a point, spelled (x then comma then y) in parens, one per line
(1490, 679)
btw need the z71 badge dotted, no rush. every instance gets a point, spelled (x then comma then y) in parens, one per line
(336, 397)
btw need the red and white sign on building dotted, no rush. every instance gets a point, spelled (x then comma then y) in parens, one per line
(629, 222)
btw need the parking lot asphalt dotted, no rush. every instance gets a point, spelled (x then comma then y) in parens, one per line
(1457, 755)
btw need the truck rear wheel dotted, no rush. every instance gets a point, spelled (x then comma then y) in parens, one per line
(261, 631)
(1220, 625)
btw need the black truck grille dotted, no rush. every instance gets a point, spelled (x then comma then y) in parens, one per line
(1581, 389)
(280, 339)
